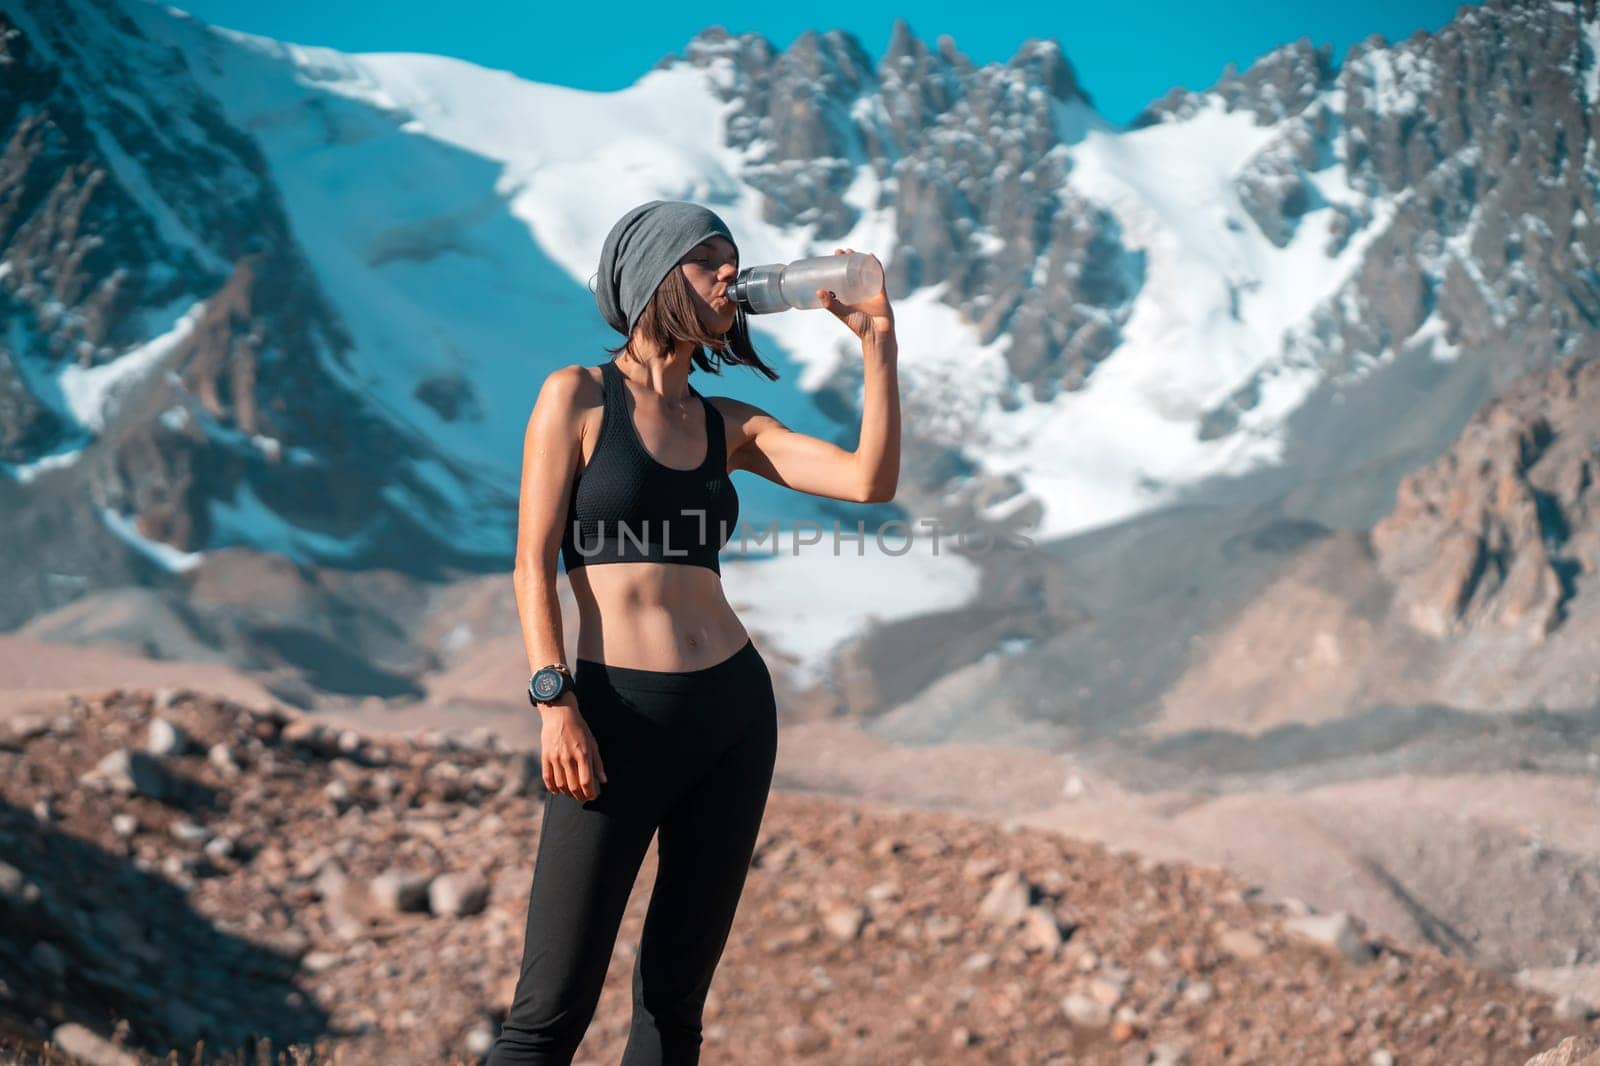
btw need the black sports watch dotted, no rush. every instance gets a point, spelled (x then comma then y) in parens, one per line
(549, 684)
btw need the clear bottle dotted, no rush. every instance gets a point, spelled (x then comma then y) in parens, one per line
(765, 289)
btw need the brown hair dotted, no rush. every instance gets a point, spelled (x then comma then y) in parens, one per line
(670, 317)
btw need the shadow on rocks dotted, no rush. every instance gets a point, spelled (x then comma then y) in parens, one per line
(87, 937)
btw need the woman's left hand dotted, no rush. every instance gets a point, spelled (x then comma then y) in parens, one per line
(871, 317)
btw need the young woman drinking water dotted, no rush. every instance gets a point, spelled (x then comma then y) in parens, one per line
(666, 723)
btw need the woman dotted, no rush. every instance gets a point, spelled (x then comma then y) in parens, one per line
(626, 464)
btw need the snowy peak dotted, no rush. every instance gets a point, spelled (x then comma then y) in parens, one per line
(1043, 63)
(834, 56)
(174, 377)
(1097, 317)
(1278, 86)
(732, 60)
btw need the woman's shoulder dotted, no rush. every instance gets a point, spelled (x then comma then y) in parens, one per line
(575, 385)
(570, 396)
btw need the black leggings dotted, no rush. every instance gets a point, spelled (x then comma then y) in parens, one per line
(690, 754)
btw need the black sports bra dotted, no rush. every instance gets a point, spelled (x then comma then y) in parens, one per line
(626, 507)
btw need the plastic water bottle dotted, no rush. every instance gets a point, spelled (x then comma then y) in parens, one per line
(765, 289)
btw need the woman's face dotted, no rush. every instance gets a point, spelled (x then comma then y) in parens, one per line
(709, 267)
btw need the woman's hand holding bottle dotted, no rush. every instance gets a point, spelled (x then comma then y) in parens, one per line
(870, 317)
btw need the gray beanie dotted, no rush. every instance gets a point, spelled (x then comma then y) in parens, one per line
(641, 248)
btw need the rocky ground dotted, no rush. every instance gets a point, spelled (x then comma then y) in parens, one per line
(181, 868)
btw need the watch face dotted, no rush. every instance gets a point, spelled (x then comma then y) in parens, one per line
(546, 684)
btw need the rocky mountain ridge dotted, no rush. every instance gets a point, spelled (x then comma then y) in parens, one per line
(1476, 590)
(167, 346)
(1439, 191)
(1504, 528)
(1464, 160)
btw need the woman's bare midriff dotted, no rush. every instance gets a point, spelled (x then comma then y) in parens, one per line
(649, 616)
(654, 616)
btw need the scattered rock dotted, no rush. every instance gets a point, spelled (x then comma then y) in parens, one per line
(1106, 991)
(164, 739)
(1241, 944)
(977, 962)
(794, 937)
(1167, 1054)
(457, 895)
(88, 1047)
(48, 958)
(16, 731)
(884, 847)
(1008, 898)
(1157, 958)
(384, 786)
(343, 917)
(396, 891)
(223, 758)
(188, 832)
(1294, 906)
(1042, 931)
(479, 1040)
(320, 961)
(883, 891)
(1573, 1051)
(843, 921)
(943, 928)
(130, 773)
(339, 796)
(220, 848)
(1085, 1011)
(16, 891)
(802, 1039)
(525, 776)
(1337, 931)
(311, 735)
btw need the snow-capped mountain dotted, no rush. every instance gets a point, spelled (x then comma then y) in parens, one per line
(263, 294)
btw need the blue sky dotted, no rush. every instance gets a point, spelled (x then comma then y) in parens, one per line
(1125, 57)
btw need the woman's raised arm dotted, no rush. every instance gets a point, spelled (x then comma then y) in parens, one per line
(808, 464)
